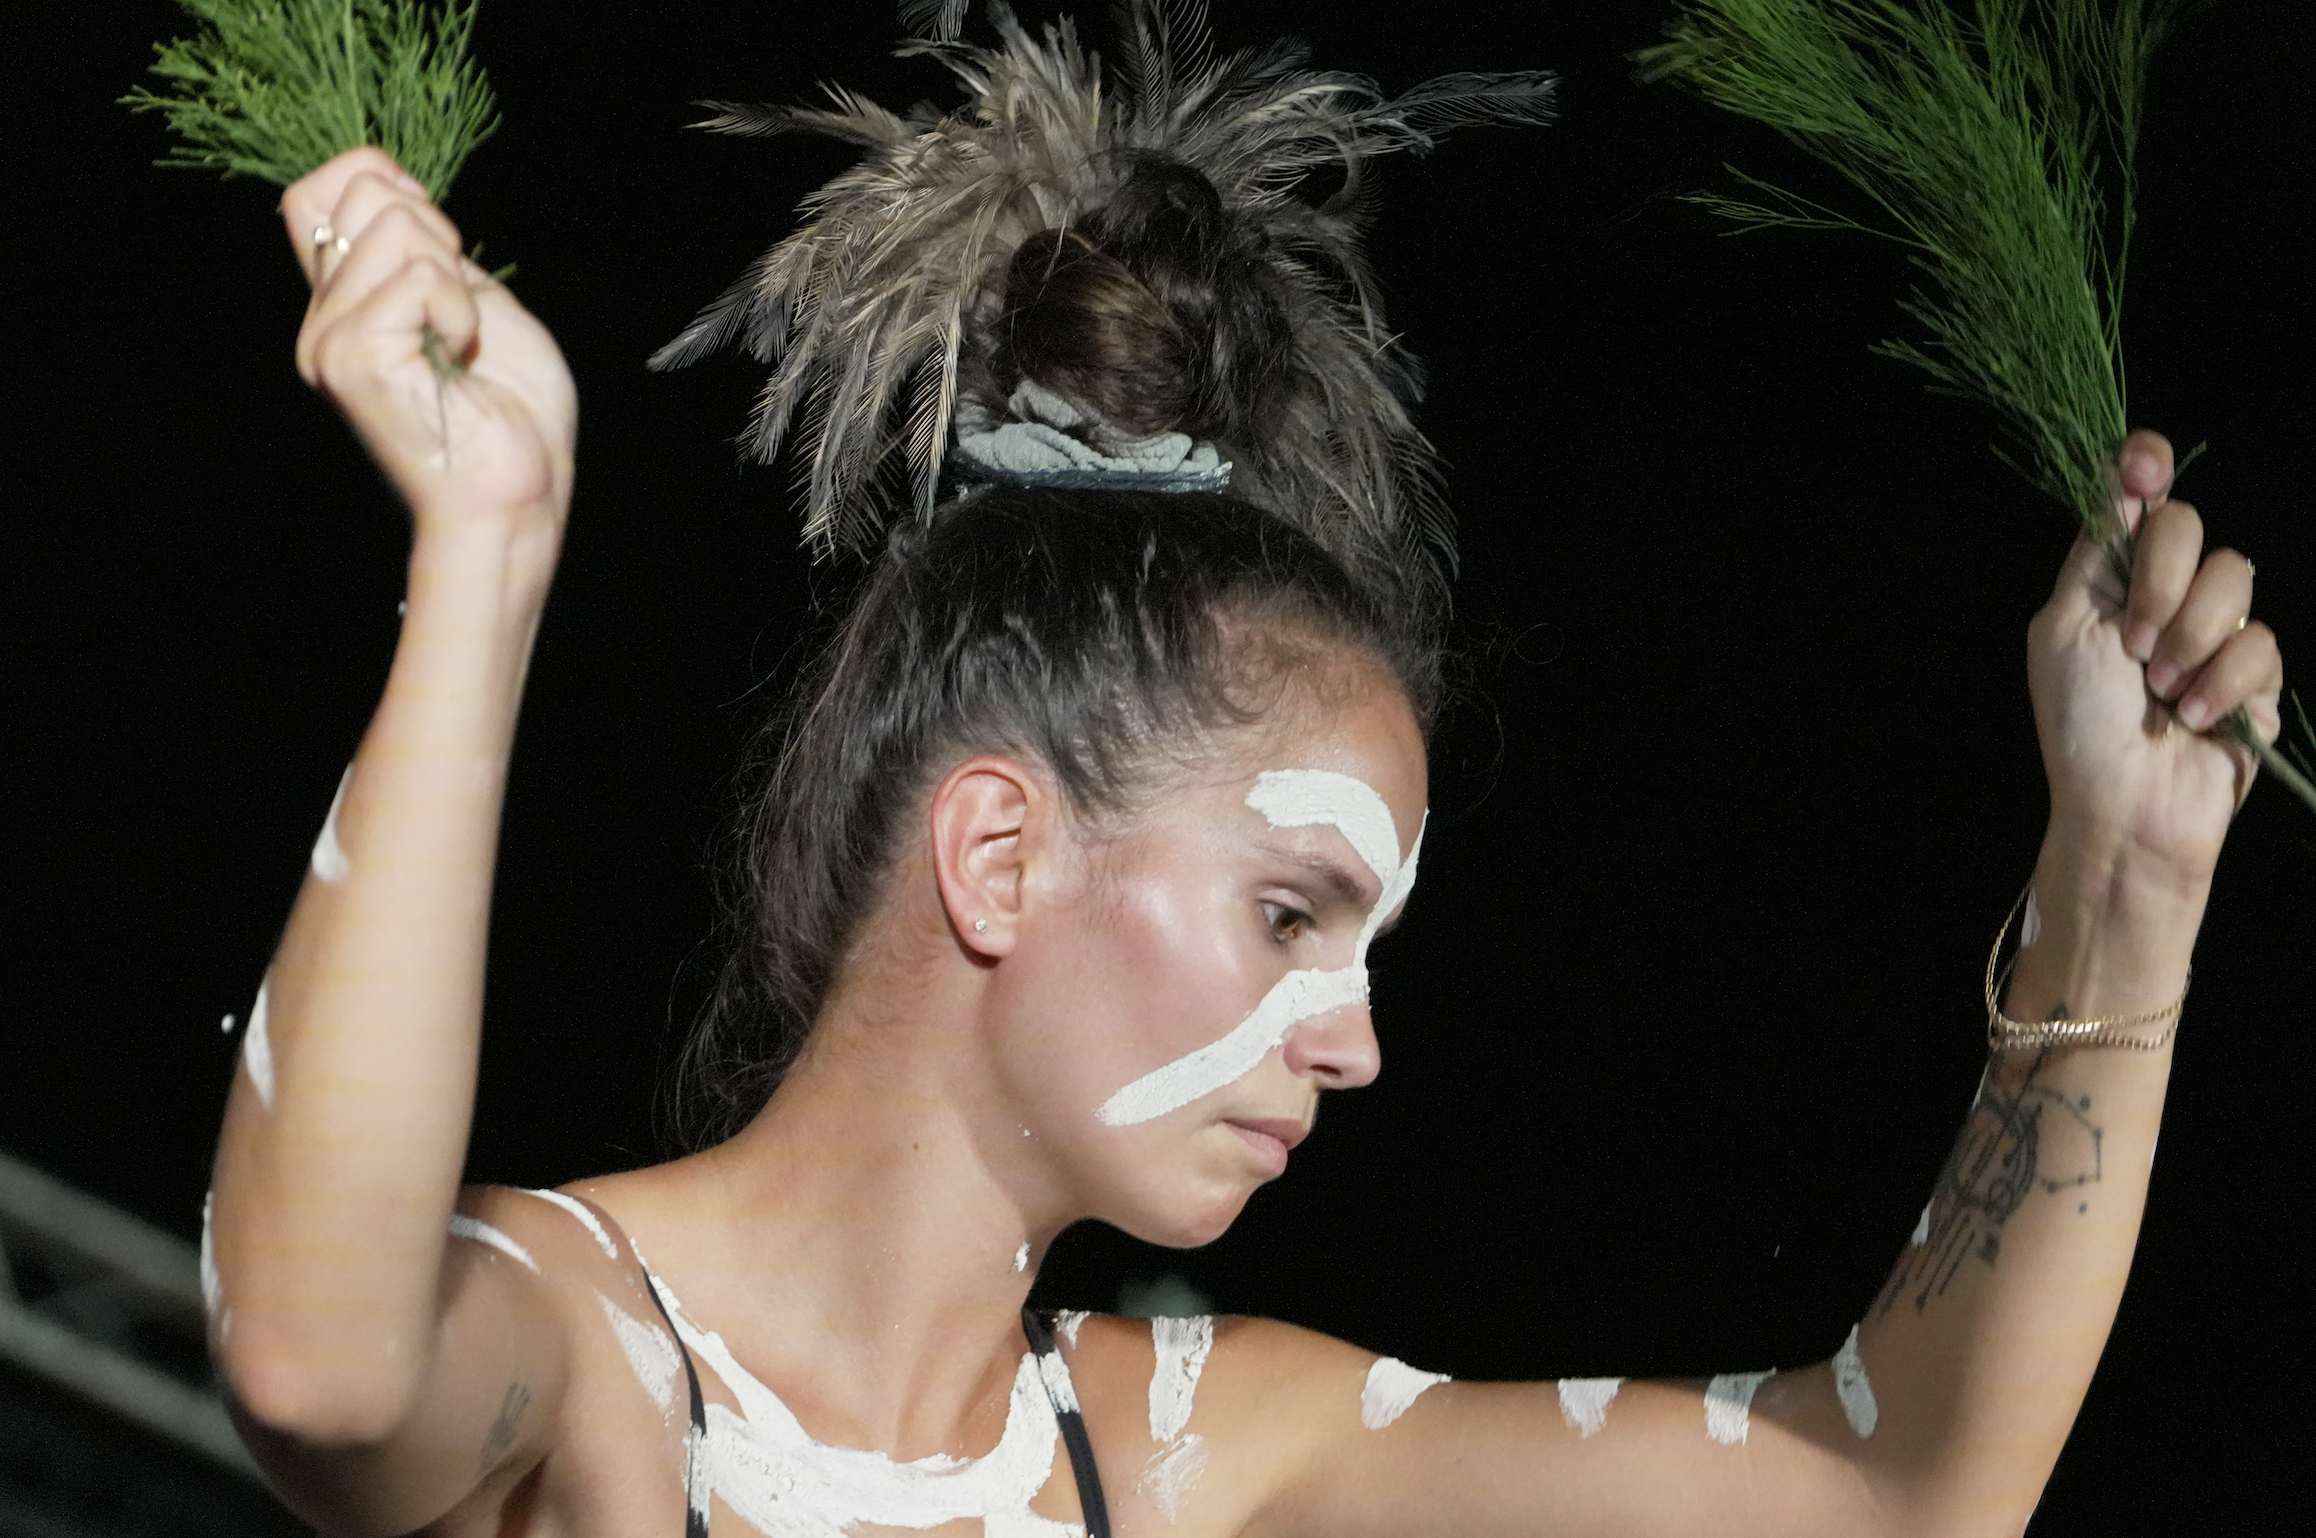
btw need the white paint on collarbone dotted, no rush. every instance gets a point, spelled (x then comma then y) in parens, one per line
(257, 1048)
(1287, 798)
(1391, 1387)
(1584, 1402)
(653, 1357)
(464, 1227)
(1067, 1323)
(1851, 1387)
(775, 1477)
(329, 859)
(1179, 1349)
(583, 1213)
(1729, 1405)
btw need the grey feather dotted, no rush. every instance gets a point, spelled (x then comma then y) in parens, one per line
(865, 311)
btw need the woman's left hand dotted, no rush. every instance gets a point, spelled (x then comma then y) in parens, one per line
(2123, 691)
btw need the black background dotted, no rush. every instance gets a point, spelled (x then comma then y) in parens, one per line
(1685, 1011)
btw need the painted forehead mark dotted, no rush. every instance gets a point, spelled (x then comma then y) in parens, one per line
(1302, 798)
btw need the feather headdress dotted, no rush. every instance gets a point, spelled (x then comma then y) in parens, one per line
(871, 313)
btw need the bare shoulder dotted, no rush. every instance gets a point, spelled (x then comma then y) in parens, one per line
(1205, 1423)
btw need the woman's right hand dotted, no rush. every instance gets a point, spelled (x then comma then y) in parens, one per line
(491, 445)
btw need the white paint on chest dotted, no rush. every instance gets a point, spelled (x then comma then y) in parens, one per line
(1067, 1323)
(1172, 1473)
(776, 1478)
(1179, 1349)
(1287, 798)
(1584, 1402)
(257, 1048)
(1391, 1387)
(653, 1357)
(1851, 1387)
(329, 859)
(1729, 1405)
(464, 1227)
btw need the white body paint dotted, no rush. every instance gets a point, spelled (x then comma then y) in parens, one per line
(579, 1210)
(329, 860)
(1181, 1347)
(464, 1227)
(2030, 928)
(212, 1287)
(1922, 1227)
(654, 1357)
(1288, 798)
(776, 1478)
(1172, 1473)
(1066, 1325)
(1729, 1405)
(1584, 1402)
(1391, 1387)
(225, 1026)
(257, 1050)
(1851, 1387)
(1021, 1258)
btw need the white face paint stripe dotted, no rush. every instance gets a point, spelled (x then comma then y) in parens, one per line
(1180, 1348)
(464, 1227)
(257, 1049)
(329, 858)
(1391, 1387)
(1729, 1405)
(653, 1357)
(1851, 1387)
(1287, 798)
(1584, 1402)
(579, 1210)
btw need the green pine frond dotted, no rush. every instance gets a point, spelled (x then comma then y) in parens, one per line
(272, 88)
(1996, 144)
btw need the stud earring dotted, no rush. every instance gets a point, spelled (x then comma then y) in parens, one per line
(981, 926)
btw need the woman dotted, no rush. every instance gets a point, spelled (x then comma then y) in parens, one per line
(1098, 809)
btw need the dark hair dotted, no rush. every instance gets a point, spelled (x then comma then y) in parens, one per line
(1088, 629)
(1161, 312)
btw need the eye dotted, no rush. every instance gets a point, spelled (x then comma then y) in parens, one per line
(1286, 923)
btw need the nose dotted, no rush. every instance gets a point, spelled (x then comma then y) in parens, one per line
(1337, 1048)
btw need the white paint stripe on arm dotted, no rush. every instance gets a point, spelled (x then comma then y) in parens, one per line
(1851, 1387)
(1391, 1387)
(1584, 1402)
(464, 1227)
(329, 858)
(653, 1357)
(1729, 1405)
(257, 1048)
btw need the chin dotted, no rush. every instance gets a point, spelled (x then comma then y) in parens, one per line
(1190, 1214)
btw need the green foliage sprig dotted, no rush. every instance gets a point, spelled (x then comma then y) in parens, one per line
(1996, 143)
(273, 88)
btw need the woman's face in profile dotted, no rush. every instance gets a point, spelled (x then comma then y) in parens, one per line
(1196, 976)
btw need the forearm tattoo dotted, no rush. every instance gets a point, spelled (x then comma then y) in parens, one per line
(2023, 1134)
(501, 1436)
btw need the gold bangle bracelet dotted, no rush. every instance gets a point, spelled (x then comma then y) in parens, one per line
(2003, 1034)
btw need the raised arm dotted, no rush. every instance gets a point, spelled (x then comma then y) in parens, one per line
(370, 1356)
(1945, 1412)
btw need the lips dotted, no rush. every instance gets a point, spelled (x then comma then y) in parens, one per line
(1270, 1138)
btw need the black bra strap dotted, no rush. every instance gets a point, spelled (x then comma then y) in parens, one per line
(695, 1496)
(1073, 1429)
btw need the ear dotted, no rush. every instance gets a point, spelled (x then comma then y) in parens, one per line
(985, 815)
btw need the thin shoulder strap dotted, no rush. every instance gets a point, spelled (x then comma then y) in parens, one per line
(696, 1444)
(1072, 1420)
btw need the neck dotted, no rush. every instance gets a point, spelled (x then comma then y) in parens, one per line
(856, 1244)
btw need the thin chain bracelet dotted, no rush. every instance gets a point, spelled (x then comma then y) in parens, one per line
(2003, 1034)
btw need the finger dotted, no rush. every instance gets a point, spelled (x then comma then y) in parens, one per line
(398, 235)
(353, 218)
(306, 202)
(2214, 609)
(386, 328)
(2144, 466)
(2248, 670)
(2163, 562)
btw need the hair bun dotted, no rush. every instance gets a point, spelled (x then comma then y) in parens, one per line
(1160, 314)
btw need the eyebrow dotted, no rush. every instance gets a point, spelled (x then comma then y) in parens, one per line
(1338, 877)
